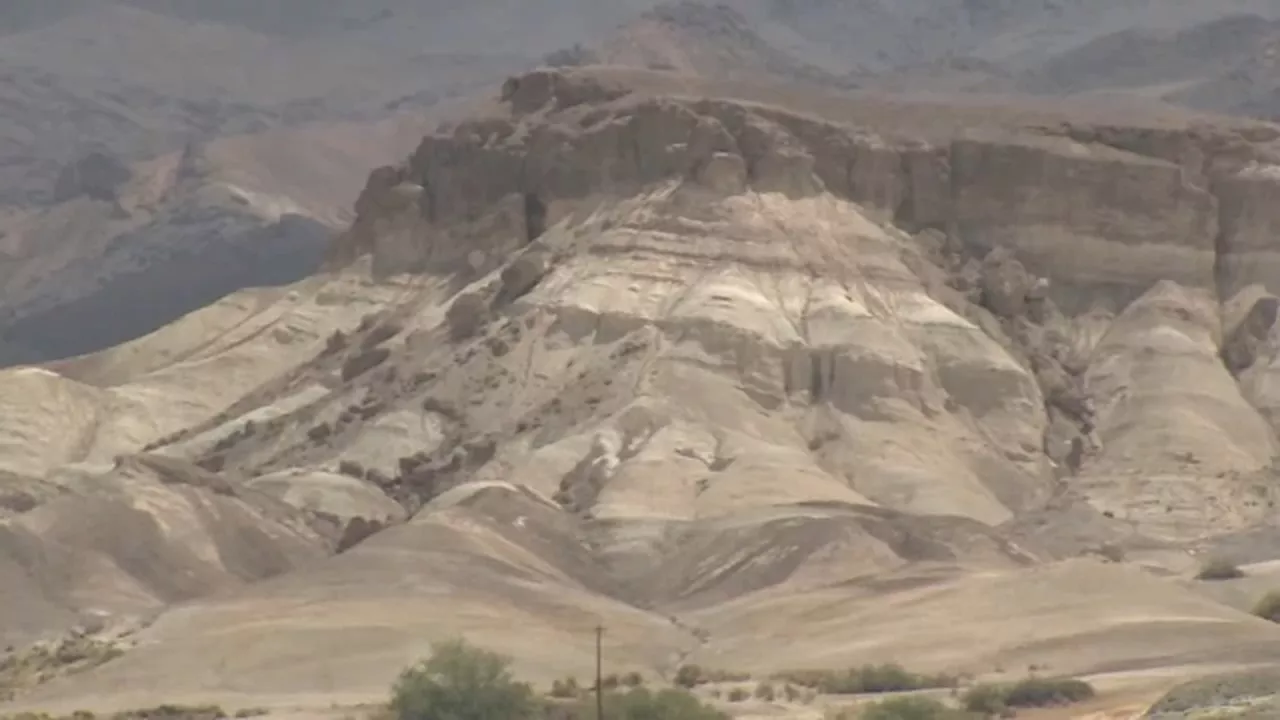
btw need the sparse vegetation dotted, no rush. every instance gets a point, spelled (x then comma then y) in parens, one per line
(24, 669)
(461, 682)
(666, 704)
(356, 531)
(1219, 569)
(986, 698)
(738, 695)
(160, 712)
(905, 708)
(1111, 552)
(175, 712)
(997, 699)
(765, 692)
(1268, 606)
(690, 676)
(566, 688)
(884, 678)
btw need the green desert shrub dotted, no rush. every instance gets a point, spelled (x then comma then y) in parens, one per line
(1043, 692)
(995, 699)
(461, 682)
(566, 688)
(637, 704)
(913, 708)
(884, 678)
(1268, 606)
(690, 676)
(1219, 569)
(174, 712)
(987, 699)
(666, 704)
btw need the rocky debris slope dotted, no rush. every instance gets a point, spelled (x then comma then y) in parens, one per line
(715, 368)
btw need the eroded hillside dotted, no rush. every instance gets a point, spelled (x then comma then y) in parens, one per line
(758, 377)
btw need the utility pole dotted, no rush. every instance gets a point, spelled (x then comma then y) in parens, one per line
(599, 675)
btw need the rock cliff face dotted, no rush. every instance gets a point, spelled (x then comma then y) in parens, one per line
(1094, 206)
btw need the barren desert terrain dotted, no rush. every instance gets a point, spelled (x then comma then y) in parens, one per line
(698, 336)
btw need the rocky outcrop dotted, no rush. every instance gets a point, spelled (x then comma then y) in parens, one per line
(1034, 235)
(1104, 212)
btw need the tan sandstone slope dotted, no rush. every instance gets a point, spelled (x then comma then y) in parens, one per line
(757, 377)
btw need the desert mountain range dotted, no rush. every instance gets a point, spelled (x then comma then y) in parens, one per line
(769, 335)
(92, 216)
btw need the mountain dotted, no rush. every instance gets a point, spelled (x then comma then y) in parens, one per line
(112, 219)
(137, 81)
(187, 227)
(708, 40)
(1223, 65)
(735, 329)
(1220, 63)
(758, 376)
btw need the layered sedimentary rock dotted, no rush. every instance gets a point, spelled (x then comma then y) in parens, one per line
(1037, 234)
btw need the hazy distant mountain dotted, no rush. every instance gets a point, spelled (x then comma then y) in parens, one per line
(136, 79)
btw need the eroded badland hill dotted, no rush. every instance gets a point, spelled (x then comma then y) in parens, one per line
(759, 377)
